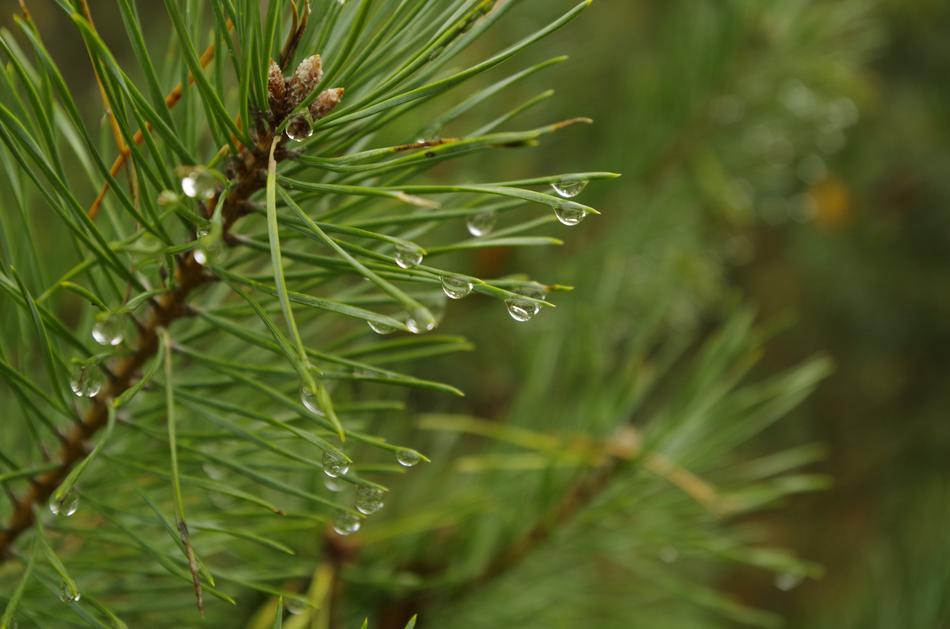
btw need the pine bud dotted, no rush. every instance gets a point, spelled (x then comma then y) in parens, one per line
(325, 102)
(276, 88)
(306, 77)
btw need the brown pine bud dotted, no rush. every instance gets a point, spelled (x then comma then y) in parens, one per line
(325, 102)
(306, 77)
(276, 88)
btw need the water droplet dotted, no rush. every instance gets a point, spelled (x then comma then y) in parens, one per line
(535, 290)
(346, 523)
(408, 255)
(334, 465)
(380, 328)
(481, 224)
(199, 183)
(569, 188)
(109, 330)
(569, 214)
(210, 248)
(522, 309)
(407, 458)
(295, 606)
(87, 381)
(68, 594)
(299, 129)
(421, 321)
(788, 581)
(456, 286)
(333, 484)
(309, 399)
(369, 500)
(213, 472)
(167, 197)
(66, 506)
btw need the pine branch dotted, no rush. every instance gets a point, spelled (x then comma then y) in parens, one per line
(166, 309)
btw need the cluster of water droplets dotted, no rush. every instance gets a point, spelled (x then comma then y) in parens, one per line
(86, 381)
(569, 213)
(66, 505)
(522, 307)
(408, 255)
(456, 286)
(369, 499)
(199, 183)
(481, 223)
(109, 330)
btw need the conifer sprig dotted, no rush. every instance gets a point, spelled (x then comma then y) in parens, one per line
(275, 119)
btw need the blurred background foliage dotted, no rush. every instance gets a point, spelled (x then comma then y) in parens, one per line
(784, 160)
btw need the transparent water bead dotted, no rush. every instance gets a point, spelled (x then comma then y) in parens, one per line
(68, 594)
(333, 484)
(456, 286)
(109, 331)
(167, 197)
(210, 248)
(346, 524)
(407, 458)
(522, 308)
(334, 465)
(421, 321)
(408, 256)
(87, 381)
(380, 328)
(199, 183)
(309, 399)
(369, 500)
(66, 506)
(569, 215)
(569, 188)
(295, 606)
(788, 581)
(299, 129)
(481, 224)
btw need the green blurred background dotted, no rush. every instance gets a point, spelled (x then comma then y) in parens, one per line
(799, 151)
(790, 154)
